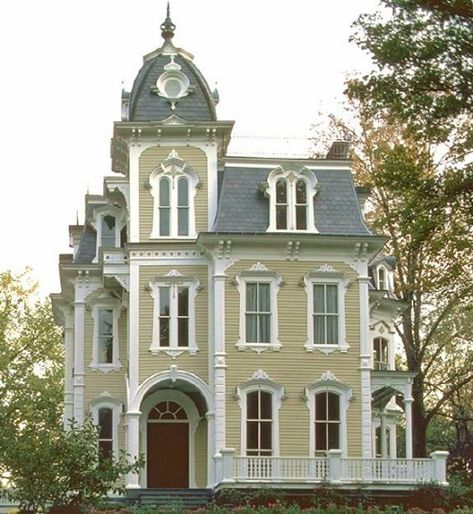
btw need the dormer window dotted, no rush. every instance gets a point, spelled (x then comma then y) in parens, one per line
(109, 235)
(291, 191)
(382, 279)
(110, 224)
(173, 186)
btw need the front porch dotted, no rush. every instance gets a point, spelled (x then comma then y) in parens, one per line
(235, 471)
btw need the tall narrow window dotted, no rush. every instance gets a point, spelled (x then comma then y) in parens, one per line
(105, 336)
(164, 207)
(183, 316)
(380, 353)
(382, 283)
(301, 205)
(164, 315)
(258, 312)
(259, 424)
(325, 314)
(327, 421)
(281, 205)
(108, 231)
(183, 207)
(105, 425)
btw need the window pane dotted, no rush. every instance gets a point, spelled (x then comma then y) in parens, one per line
(266, 436)
(251, 328)
(332, 329)
(164, 221)
(164, 332)
(319, 329)
(332, 299)
(321, 406)
(251, 297)
(108, 231)
(164, 197)
(333, 406)
(252, 435)
(252, 405)
(281, 217)
(281, 191)
(320, 436)
(105, 322)
(105, 423)
(333, 436)
(301, 196)
(123, 237)
(319, 298)
(266, 405)
(183, 193)
(105, 449)
(108, 348)
(301, 217)
(164, 301)
(264, 298)
(183, 301)
(264, 328)
(183, 221)
(183, 332)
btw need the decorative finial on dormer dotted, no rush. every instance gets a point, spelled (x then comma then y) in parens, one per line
(168, 27)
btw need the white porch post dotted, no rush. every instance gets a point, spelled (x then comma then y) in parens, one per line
(365, 361)
(384, 446)
(408, 412)
(334, 458)
(211, 472)
(227, 465)
(69, 363)
(133, 446)
(440, 467)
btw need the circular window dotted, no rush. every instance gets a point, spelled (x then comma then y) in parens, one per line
(173, 87)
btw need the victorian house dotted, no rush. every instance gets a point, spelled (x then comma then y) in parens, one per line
(231, 318)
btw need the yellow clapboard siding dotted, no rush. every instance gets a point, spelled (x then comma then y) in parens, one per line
(149, 160)
(292, 367)
(151, 364)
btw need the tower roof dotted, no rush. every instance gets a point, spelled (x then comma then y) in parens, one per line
(169, 83)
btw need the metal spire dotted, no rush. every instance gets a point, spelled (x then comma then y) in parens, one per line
(168, 27)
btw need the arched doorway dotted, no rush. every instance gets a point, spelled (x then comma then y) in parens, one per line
(168, 446)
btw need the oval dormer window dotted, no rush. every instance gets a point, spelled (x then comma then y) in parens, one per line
(173, 87)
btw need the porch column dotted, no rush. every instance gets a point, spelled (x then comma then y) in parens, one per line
(384, 446)
(132, 480)
(408, 413)
(69, 364)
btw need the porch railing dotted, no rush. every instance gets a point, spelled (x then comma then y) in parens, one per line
(332, 469)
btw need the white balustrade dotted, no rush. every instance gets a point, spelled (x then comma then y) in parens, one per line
(279, 469)
(387, 470)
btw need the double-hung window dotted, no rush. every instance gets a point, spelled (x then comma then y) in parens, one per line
(258, 288)
(105, 336)
(106, 412)
(105, 346)
(173, 187)
(105, 425)
(174, 314)
(380, 353)
(326, 291)
(327, 421)
(259, 423)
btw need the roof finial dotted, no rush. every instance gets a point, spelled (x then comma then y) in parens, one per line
(167, 28)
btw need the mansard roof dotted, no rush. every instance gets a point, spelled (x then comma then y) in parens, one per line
(151, 99)
(244, 208)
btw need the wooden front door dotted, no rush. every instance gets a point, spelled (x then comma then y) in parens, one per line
(168, 448)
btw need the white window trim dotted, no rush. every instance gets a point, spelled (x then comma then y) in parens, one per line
(108, 402)
(328, 383)
(174, 279)
(260, 381)
(116, 308)
(291, 173)
(387, 278)
(120, 222)
(259, 273)
(173, 167)
(326, 275)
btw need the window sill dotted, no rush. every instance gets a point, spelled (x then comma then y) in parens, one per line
(259, 347)
(173, 352)
(327, 348)
(105, 368)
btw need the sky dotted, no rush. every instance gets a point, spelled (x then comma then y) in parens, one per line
(276, 63)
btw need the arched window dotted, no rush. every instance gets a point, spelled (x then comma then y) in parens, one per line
(382, 282)
(327, 421)
(173, 187)
(380, 353)
(110, 224)
(167, 411)
(259, 424)
(105, 425)
(291, 190)
(109, 236)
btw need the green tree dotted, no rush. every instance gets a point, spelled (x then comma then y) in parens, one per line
(430, 236)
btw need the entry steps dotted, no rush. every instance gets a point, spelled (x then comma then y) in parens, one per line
(179, 498)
